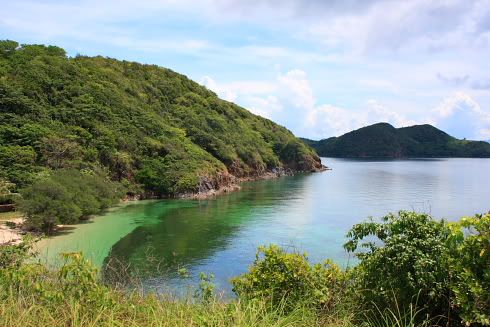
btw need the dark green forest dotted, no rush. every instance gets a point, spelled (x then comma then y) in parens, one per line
(141, 124)
(385, 141)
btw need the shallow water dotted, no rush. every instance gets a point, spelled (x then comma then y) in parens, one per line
(310, 212)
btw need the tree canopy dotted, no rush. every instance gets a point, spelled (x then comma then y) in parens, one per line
(143, 124)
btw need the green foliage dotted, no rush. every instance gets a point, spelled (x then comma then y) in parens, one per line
(65, 196)
(12, 256)
(81, 282)
(412, 269)
(31, 295)
(384, 141)
(411, 317)
(205, 292)
(144, 124)
(77, 279)
(6, 194)
(469, 265)
(402, 263)
(289, 279)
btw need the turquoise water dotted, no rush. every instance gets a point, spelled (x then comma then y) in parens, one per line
(310, 212)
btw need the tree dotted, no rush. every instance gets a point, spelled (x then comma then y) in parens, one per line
(66, 196)
(46, 204)
(7, 47)
(7, 196)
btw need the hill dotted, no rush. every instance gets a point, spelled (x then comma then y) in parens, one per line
(143, 125)
(385, 141)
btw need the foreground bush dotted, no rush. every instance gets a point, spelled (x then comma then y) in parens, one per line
(402, 264)
(469, 266)
(31, 295)
(288, 278)
(413, 272)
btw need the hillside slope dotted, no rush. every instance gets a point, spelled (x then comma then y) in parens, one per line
(385, 141)
(143, 124)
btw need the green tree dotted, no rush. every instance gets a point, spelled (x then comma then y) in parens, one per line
(141, 123)
(46, 204)
(66, 196)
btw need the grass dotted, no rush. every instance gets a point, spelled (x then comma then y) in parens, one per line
(4, 216)
(33, 295)
(137, 310)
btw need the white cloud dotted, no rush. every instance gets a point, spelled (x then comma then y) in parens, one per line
(265, 106)
(297, 88)
(290, 99)
(462, 116)
(416, 25)
(328, 120)
(255, 94)
(223, 92)
(405, 54)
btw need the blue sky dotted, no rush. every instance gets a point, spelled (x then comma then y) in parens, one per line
(320, 68)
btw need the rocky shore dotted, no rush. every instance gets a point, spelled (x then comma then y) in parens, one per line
(11, 230)
(229, 183)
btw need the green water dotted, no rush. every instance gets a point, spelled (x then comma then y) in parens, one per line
(310, 212)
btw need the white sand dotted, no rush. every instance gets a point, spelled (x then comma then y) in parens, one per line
(8, 235)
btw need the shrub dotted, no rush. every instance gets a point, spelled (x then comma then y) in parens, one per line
(402, 263)
(66, 196)
(289, 279)
(13, 255)
(48, 203)
(77, 280)
(469, 266)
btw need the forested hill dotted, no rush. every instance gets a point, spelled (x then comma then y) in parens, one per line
(385, 141)
(140, 124)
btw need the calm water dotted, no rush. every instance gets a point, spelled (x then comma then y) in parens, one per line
(310, 212)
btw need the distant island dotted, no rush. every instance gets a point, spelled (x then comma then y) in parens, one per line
(382, 140)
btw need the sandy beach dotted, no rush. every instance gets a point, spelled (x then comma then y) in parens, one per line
(9, 235)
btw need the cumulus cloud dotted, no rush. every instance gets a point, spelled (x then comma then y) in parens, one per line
(416, 25)
(255, 94)
(290, 100)
(462, 116)
(334, 121)
(298, 88)
(406, 55)
(265, 106)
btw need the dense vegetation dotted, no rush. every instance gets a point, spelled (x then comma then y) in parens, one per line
(412, 271)
(385, 141)
(141, 123)
(66, 197)
(147, 128)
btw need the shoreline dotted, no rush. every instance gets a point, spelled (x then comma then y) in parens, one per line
(12, 236)
(9, 235)
(235, 185)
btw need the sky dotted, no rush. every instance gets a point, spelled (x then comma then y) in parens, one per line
(319, 67)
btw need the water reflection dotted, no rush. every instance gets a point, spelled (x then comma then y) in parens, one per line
(310, 212)
(191, 233)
